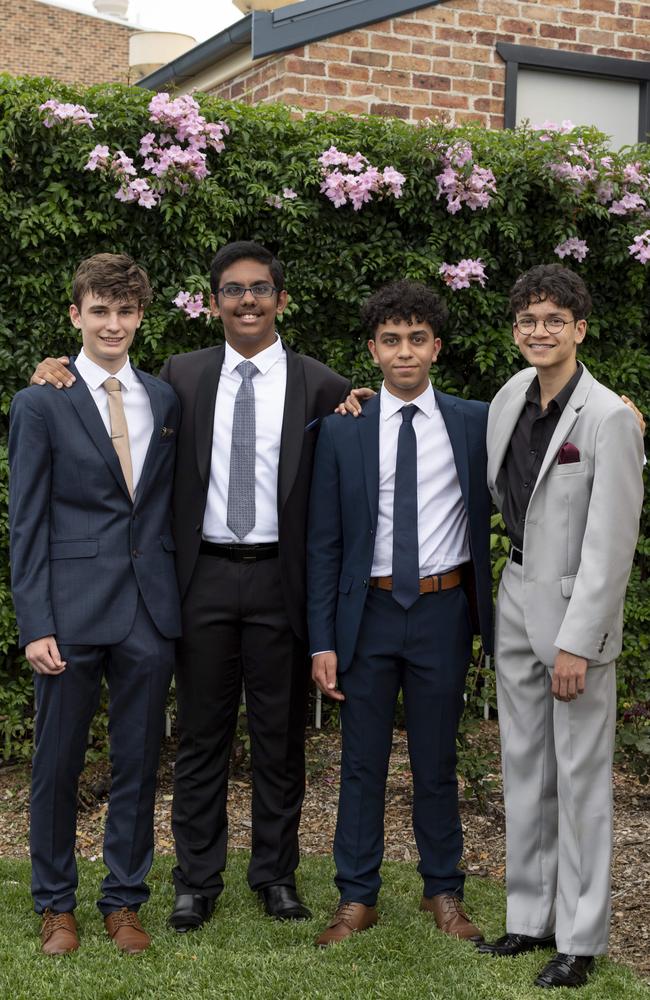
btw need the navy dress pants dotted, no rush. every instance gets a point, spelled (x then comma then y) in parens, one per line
(138, 671)
(424, 651)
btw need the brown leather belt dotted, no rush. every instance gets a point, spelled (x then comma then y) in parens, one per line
(428, 585)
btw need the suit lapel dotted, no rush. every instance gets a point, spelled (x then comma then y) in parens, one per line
(565, 423)
(502, 433)
(294, 420)
(454, 420)
(86, 408)
(155, 400)
(368, 429)
(206, 398)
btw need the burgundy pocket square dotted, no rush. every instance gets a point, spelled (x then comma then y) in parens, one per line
(568, 453)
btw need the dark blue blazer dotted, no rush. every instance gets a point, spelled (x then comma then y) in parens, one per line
(81, 550)
(343, 520)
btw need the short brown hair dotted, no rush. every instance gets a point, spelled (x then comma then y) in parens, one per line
(112, 276)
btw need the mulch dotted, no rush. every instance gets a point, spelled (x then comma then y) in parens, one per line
(483, 829)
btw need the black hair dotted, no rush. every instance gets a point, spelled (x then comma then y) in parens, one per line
(554, 282)
(244, 250)
(406, 301)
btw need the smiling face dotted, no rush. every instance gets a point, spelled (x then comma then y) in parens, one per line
(405, 352)
(248, 322)
(552, 354)
(107, 328)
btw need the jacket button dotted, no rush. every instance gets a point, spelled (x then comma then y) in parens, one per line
(136, 553)
(197, 527)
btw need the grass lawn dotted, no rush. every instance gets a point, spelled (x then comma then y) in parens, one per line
(241, 954)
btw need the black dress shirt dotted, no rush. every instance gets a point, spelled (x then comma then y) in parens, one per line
(528, 446)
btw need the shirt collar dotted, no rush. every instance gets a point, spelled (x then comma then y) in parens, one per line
(563, 396)
(94, 375)
(263, 361)
(390, 405)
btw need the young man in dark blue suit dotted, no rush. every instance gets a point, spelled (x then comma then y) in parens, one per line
(398, 580)
(95, 594)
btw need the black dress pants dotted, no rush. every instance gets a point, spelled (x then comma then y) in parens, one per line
(235, 627)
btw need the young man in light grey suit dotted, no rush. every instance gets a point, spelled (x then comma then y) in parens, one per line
(564, 467)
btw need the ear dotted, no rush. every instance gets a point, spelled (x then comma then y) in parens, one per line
(373, 351)
(75, 317)
(282, 301)
(214, 308)
(581, 331)
(140, 315)
(437, 347)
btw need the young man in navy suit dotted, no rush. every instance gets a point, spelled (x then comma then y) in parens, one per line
(398, 580)
(95, 594)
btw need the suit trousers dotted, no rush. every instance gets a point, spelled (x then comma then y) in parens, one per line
(138, 672)
(557, 780)
(235, 628)
(424, 651)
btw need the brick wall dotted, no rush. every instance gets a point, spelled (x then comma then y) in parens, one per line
(440, 58)
(37, 39)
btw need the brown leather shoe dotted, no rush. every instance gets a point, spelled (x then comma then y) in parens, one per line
(450, 916)
(58, 933)
(126, 931)
(349, 917)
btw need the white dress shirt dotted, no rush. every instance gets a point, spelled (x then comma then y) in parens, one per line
(137, 407)
(270, 385)
(443, 535)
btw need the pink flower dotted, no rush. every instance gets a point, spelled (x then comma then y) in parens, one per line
(289, 193)
(362, 180)
(98, 158)
(460, 275)
(628, 203)
(332, 158)
(58, 112)
(274, 200)
(191, 305)
(640, 247)
(394, 181)
(122, 164)
(572, 247)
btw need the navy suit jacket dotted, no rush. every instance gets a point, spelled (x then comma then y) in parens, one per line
(81, 550)
(343, 520)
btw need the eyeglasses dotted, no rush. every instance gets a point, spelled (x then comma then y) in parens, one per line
(555, 324)
(261, 290)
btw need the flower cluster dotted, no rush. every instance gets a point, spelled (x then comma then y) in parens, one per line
(277, 201)
(460, 275)
(58, 112)
(572, 247)
(462, 181)
(547, 129)
(640, 248)
(353, 179)
(172, 159)
(579, 168)
(191, 305)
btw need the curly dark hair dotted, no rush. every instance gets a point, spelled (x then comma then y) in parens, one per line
(554, 282)
(244, 250)
(404, 301)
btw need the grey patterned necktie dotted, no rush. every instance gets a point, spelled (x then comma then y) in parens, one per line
(241, 483)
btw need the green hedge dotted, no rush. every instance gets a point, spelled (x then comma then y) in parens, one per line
(54, 213)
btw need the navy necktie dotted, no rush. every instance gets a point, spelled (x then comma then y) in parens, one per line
(406, 554)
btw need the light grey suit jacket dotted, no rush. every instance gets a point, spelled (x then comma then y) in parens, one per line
(582, 521)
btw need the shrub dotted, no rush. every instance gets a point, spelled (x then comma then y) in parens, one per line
(474, 209)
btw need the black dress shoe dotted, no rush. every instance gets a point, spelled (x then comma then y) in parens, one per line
(515, 944)
(282, 903)
(566, 970)
(191, 910)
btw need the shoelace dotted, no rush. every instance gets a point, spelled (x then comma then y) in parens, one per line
(343, 914)
(53, 922)
(125, 918)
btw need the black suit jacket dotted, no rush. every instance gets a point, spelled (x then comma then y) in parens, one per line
(313, 390)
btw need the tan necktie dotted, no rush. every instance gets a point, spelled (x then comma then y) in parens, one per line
(119, 429)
